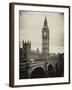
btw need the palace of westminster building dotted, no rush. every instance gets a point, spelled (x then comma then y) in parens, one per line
(36, 64)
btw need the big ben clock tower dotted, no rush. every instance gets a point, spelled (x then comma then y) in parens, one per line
(45, 40)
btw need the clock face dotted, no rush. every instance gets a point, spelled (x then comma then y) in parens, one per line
(44, 33)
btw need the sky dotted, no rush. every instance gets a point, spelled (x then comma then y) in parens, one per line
(31, 24)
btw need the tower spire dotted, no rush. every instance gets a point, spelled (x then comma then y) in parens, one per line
(45, 21)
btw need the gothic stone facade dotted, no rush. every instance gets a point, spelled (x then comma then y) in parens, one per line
(36, 64)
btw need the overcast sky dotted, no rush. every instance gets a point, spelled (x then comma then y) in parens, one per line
(31, 24)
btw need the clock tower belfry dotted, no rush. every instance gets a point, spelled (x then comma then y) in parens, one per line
(45, 41)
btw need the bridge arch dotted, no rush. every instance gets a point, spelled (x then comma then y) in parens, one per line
(37, 73)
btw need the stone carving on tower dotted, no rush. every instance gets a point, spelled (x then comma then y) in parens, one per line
(45, 41)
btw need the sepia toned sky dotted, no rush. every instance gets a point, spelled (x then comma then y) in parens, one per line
(31, 24)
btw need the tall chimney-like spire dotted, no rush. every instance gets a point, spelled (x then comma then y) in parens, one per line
(45, 21)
